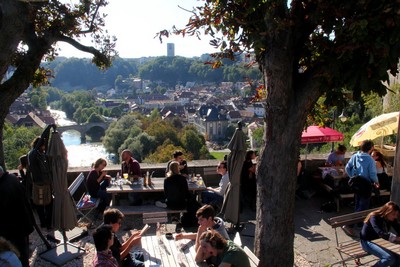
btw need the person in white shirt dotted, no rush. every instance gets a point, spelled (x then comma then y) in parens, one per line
(215, 195)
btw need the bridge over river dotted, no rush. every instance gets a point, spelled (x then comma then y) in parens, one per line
(83, 128)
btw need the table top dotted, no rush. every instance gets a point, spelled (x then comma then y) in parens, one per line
(160, 251)
(157, 185)
(387, 245)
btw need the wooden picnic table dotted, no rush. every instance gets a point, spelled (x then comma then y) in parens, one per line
(157, 185)
(160, 251)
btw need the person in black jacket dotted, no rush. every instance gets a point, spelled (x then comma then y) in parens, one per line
(377, 225)
(17, 222)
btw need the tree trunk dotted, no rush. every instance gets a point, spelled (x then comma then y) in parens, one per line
(290, 98)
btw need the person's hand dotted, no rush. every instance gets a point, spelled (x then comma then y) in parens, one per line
(20, 167)
(178, 236)
(135, 232)
(376, 185)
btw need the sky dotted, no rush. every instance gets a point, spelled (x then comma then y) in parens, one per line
(136, 22)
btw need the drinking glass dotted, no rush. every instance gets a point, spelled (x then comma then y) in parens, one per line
(125, 175)
(112, 180)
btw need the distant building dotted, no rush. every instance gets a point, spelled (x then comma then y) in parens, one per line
(170, 49)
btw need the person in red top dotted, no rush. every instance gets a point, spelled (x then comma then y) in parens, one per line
(103, 239)
(132, 167)
(129, 164)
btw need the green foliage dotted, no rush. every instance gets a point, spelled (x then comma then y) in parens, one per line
(193, 142)
(94, 117)
(17, 142)
(164, 153)
(128, 126)
(393, 99)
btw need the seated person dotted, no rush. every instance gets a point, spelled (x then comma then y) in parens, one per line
(103, 240)
(377, 225)
(206, 219)
(178, 157)
(176, 188)
(385, 182)
(336, 158)
(121, 252)
(97, 183)
(131, 166)
(8, 254)
(222, 252)
(215, 196)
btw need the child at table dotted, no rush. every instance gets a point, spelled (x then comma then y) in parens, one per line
(103, 240)
(122, 252)
(377, 225)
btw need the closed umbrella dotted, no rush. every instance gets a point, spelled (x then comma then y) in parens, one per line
(64, 211)
(380, 126)
(231, 205)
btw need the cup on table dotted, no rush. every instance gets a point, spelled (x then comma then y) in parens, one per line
(112, 180)
(193, 179)
(125, 175)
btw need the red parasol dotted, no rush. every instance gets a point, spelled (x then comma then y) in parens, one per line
(317, 134)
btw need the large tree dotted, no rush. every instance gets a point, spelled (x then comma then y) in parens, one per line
(304, 49)
(29, 31)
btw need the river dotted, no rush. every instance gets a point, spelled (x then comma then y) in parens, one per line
(79, 155)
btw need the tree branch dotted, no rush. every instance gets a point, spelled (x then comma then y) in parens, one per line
(77, 45)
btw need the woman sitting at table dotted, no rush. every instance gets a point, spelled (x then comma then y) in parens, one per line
(384, 180)
(97, 182)
(377, 225)
(176, 188)
(221, 252)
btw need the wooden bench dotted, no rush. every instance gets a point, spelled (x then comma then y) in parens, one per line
(254, 261)
(352, 248)
(150, 213)
(83, 210)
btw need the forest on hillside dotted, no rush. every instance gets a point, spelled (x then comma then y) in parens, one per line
(72, 73)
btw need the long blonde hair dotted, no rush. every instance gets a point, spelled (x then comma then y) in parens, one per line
(383, 211)
(173, 168)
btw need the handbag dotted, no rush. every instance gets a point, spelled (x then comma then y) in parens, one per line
(41, 194)
(360, 185)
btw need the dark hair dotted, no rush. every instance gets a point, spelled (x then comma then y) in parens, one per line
(127, 151)
(177, 153)
(380, 158)
(224, 163)
(366, 145)
(206, 212)
(101, 237)
(249, 154)
(24, 161)
(112, 216)
(214, 238)
(6, 245)
(342, 148)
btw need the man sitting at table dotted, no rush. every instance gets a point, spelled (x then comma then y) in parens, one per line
(131, 166)
(336, 158)
(206, 219)
(103, 240)
(215, 196)
(178, 157)
(122, 252)
(216, 250)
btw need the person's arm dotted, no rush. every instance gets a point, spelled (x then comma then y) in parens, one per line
(201, 255)
(127, 245)
(377, 225)
(200, 230)
(191, 236)
(136, 169)
(349, 167)
(372, 172)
